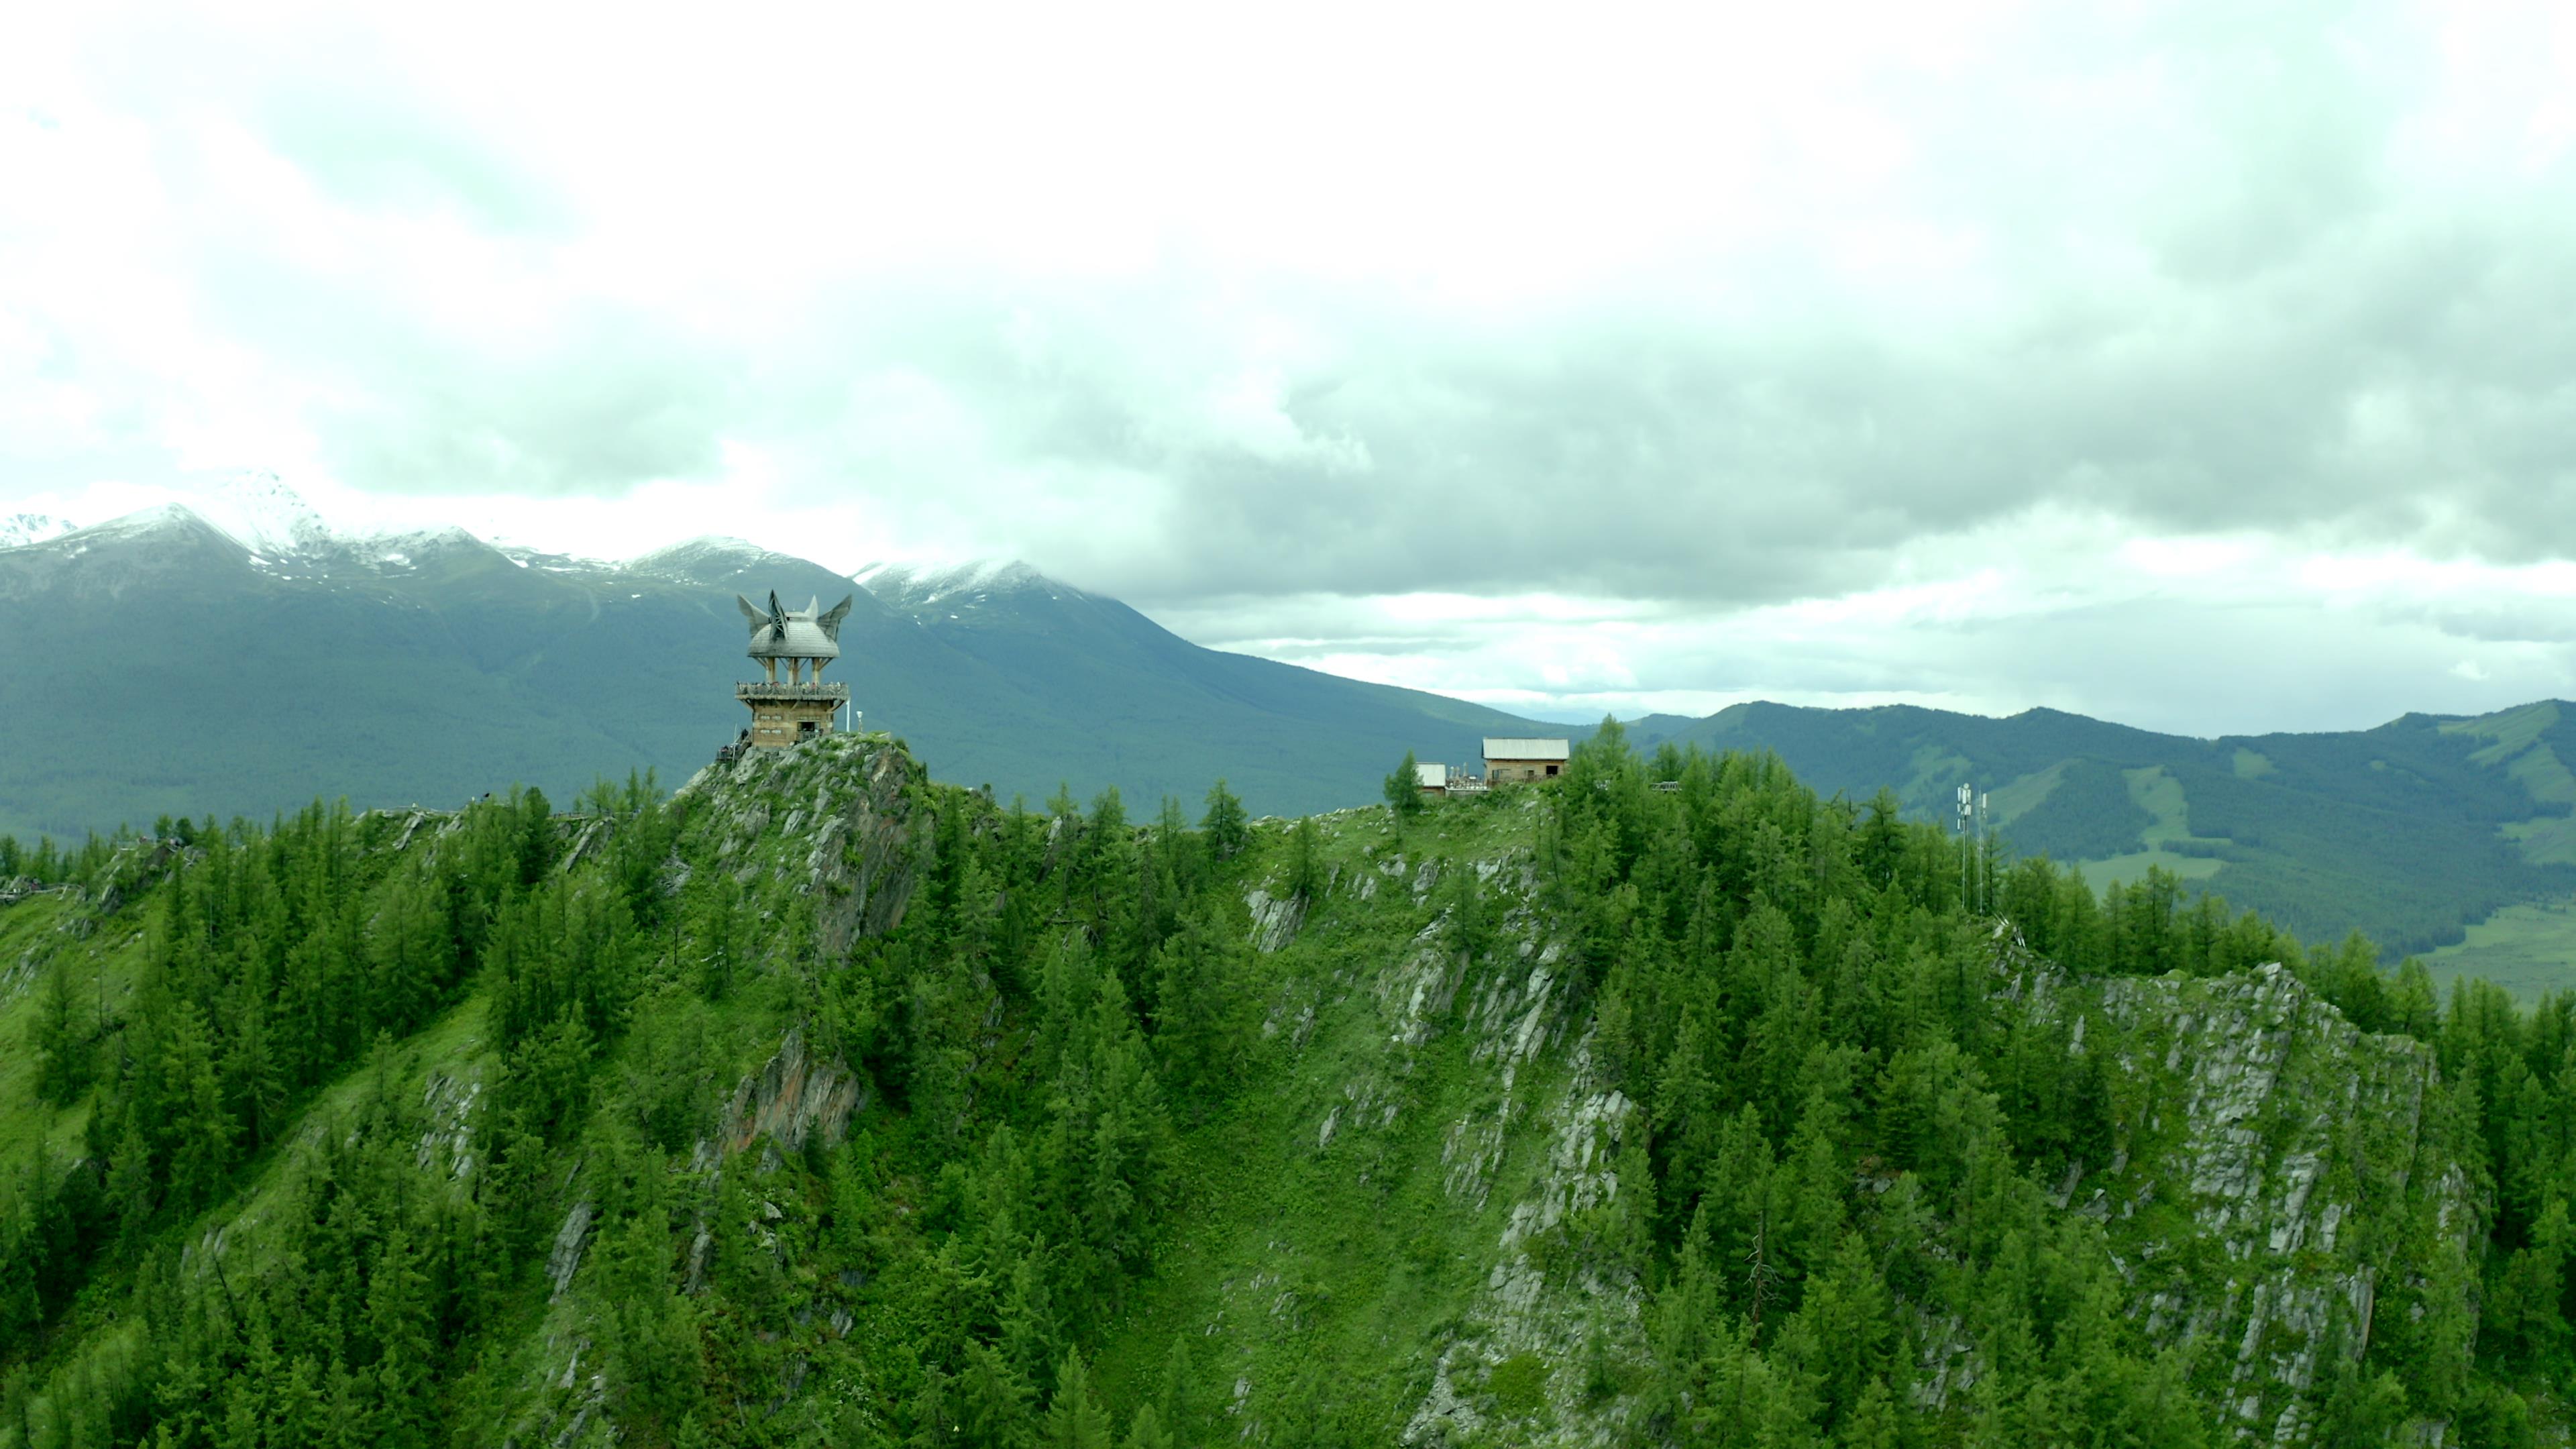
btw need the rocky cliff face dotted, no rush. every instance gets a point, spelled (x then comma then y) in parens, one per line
(833, 819)
(2279, 1181)
(2283, 1181)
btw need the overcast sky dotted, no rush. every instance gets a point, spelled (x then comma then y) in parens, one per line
(2206, 366)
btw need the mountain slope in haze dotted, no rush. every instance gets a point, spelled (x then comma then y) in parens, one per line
(158, 664)
(2409, 832)
(1133, 696)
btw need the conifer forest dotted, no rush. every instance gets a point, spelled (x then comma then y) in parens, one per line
(1667, 1103)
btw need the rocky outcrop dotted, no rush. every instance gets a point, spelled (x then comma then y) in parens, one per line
(2253, 1126)
(845, 831)
(1275, 919)
(563, 1260)
(792, 1101)
(1508, 1020)
(1525, 1310)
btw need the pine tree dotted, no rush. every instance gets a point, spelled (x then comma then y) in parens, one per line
(130, 1187)
(1180, 1401)
(1403, 790)
(202, 1131)
(992, 1403)
(1074, 1418)
(1199, 1029)
(63, 1062)
(398, 1323)
(1228, 828)
(1146, 1430)
(1305, 861)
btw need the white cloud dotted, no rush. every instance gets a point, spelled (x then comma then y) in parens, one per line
(2188, 364)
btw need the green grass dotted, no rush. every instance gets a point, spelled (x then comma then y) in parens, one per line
(1933, 764)
(2511, 730)
(2018, 798)
(2133, 867)
(30, 941)
(1352, 1253)
(2526, 949)
(2162, 796)
(2544, 839)
(2519, 745)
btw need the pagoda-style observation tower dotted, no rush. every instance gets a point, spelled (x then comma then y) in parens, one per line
(798, 707)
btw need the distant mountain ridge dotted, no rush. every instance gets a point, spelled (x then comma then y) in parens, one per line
(2410, 831)
(284, 660)
(168, 663)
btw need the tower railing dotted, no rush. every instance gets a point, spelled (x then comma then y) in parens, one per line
(779, 689)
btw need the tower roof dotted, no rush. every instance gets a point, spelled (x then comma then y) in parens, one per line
(807, 633)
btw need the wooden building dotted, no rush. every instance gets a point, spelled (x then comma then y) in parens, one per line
(1514, 761)
(801, 706)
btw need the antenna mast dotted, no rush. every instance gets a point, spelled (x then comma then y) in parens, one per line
(1967, 900)
(1985, 868)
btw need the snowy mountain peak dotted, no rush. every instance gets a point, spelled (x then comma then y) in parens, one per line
(405, 548)
(977, 580)
(167, 525)
(705, 546)
(265, 516)
(706, 559)
(18, 530)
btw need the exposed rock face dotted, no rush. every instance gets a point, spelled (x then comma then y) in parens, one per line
(1274, 919)
(2253, 1127)
(849, 838)
(2253, 1123)
(792, 1101)
(1525, 1309)
(448, 1133)
(1531, 1078)
(564, 1259)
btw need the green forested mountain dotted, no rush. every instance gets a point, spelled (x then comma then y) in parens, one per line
(825, 1104)
(2409, 832)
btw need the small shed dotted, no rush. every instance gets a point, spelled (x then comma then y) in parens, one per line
(1511, 760)
(1433, 779)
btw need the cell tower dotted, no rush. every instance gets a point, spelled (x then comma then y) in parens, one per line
(1967, 853)
(1985, 874)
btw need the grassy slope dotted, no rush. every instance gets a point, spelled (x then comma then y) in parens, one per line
(32, 935)
(2527, 949)
(1365, 1252)
(2163, 798)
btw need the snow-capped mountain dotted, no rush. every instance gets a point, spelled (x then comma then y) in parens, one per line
(280, 532)
(957, 588)
(709, 558)
(17, 530)
(453, 662)
(265, 516)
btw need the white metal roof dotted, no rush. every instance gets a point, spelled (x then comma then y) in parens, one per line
(812, 632)
(1431, 777)
(1507, 749)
